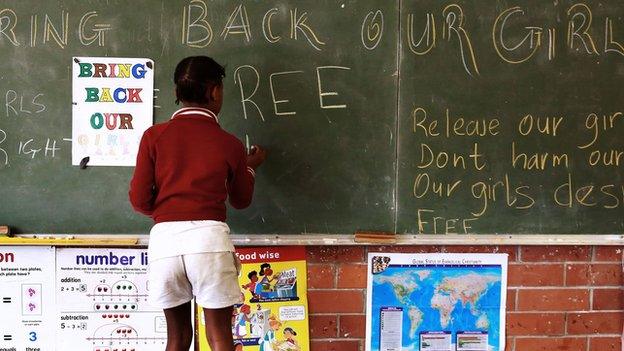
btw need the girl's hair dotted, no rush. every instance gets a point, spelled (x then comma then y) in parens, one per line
(263, 267)
(289, 329)
(274, 321)
(251, 274)
(196, 75)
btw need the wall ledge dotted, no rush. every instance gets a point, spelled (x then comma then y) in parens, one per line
(336, 239)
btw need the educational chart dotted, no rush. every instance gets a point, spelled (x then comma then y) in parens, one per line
(436, 302)
(101, 298)
(27, 293)
(113, 101)
(274, 315)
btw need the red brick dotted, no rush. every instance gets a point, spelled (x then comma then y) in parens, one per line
(605, 344)
(509, 250)
(336, 301)
(595, 323)
(353, 326)
(608, 253)
(335, 254)
(551, 344)
(577, 274)
(511, 299)
(535, 323)
(338, 345)
(323, 326)
(535, 275)
(509, 344)
(405, 248)
(352, 275)
(553, 300)
(321, 276)
(553, 253)
(608, 299)
(596, 274)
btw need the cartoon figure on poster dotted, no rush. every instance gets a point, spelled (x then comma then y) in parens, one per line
(289, 343)
(269, 342)
(253, 282)
(238, 345)
(239, 321)
(263, 289)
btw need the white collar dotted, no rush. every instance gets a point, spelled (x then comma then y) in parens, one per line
(195, 111)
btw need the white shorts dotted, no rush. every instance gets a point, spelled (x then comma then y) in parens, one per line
(211, 277)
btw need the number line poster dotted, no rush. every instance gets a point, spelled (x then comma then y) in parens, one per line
(436, 302)
(102, 302)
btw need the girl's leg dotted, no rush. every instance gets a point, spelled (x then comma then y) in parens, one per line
(219, 328)
(179, 327)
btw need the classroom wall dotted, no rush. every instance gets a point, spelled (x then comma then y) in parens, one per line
(564, 298)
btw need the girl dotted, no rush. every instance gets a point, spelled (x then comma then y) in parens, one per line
(266, 272)
(251, 286)
(240, 321)
(290, 344)
(186, 169)
(268, 342)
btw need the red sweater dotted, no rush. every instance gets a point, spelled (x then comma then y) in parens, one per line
(187, 167)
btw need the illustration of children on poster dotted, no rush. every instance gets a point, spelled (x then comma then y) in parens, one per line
(273, 316)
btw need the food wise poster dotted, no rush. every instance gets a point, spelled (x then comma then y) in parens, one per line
(102, 302)
(27, 298)
(436, 302)
(274, 314)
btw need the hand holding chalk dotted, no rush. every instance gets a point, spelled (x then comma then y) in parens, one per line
(256, 156)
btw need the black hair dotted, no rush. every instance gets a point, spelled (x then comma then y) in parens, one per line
(263, 266)
(196, 75)
(290, 330)
(251, 274)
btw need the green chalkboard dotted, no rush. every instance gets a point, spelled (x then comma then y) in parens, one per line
(426, 116)
(534, 83)
(330, 135)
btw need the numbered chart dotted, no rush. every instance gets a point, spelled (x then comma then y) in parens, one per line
(102, 302)
(27, 298)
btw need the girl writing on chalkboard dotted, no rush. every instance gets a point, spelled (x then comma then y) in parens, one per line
(186, 169)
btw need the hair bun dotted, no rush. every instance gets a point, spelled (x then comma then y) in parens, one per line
(196, 75)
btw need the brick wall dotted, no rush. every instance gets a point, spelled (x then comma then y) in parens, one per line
(560, 298)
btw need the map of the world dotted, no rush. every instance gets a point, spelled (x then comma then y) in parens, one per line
(441, 306)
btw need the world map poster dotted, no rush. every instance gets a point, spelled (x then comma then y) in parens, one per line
(436, 302)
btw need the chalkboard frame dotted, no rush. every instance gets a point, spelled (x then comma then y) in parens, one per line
(348, 239)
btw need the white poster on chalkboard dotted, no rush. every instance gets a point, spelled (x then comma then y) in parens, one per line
(102, 301)
(27, 298)
(113, 101)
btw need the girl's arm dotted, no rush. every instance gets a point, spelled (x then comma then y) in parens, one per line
(241, 182)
